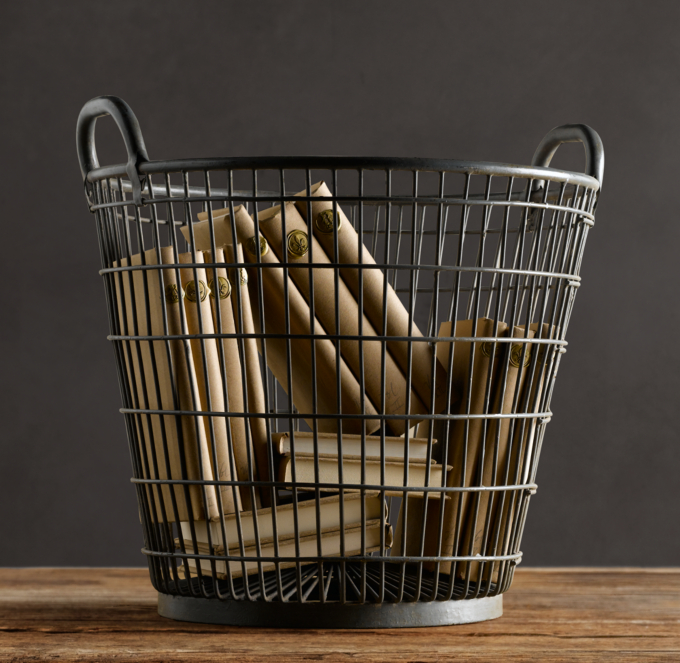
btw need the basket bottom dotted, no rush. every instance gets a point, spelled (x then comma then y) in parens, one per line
(276, 614)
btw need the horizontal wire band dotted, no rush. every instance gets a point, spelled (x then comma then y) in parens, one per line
(333, 559)
(585, 217)
(518, 340)
(343, 265)
(335, 487)
(310, 415)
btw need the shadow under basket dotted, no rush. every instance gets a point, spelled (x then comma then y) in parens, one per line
(336, 425)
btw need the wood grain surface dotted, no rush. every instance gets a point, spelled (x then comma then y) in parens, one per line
(550, 615)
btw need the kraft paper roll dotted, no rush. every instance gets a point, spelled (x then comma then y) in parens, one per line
(303, 375)
(496, 446)
(255, 388)
(476, 388)
(286, 243)
(209, 374)
(373, 284)
(182, 437)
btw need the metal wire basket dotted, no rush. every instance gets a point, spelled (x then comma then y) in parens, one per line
(499, 246)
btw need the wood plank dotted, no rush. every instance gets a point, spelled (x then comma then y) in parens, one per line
(550, 615)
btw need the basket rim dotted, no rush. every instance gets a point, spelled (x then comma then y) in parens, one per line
(331, 163)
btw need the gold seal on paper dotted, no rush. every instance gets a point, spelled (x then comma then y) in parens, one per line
(487, 348)
(224, 289)
(191, 291)
(298, 243)
(251, 246)
(325, 221)
(516, 355)
(243, 276)
(171, 293)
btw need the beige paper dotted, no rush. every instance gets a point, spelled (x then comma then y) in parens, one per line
(243, 319)
(179, 436)
(478, 386)
(523, 438)
(302, 373)
(353, 445)
(355, 471)
(373, 284)
(357, 540)
(486, 505)
(129, 350)
(210, 387)
(289, 519)
(272, 227)
(256, 400)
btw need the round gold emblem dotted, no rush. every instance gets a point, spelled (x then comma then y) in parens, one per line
(487, 348)
(325, 222)
(298, 243)
(171, 293)
(516, 356)
(251, 246)
(191, 291)
(224, 289)
(243, 276)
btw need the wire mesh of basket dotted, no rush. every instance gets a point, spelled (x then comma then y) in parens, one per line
(461, 279)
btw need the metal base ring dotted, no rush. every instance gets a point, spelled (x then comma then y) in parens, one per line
(329, 615)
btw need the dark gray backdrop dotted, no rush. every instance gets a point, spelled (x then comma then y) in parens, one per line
(433, 79)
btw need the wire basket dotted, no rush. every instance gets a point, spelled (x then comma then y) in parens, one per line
(338, 424)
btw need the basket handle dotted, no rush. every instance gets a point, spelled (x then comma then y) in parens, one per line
(572, 133)
(129, 128)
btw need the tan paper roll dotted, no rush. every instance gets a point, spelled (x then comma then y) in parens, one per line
(255, 388)
(256, 400)
(210, 386)
(496, 446)
(478, 386)
(221, 296)
(184, 435)
(373, 284)
(129, 350)
(297, 242)
(302, 375)
(524, 434)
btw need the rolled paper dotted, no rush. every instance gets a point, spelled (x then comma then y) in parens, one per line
(163, 371)
(326, 223)
(244, 323)
(306, 378)
(295, 247)
(466, 438)
(507, 512)
(211, 387)
(482, 507)
(243, 318)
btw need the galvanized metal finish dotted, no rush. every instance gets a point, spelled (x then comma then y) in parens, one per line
(456, 240)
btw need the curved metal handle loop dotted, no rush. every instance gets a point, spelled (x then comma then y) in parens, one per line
(129, 128)
(572, 133)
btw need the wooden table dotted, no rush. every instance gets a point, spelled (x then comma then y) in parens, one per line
(550, 615)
